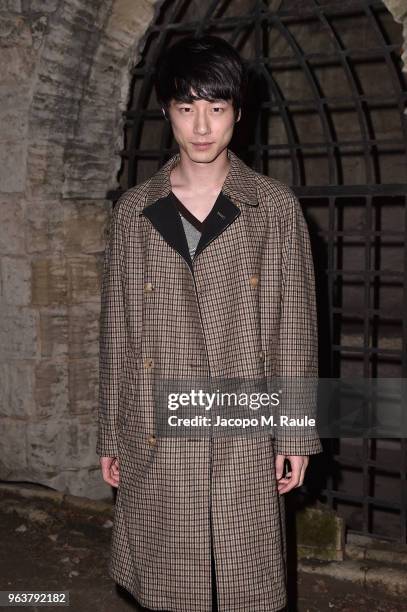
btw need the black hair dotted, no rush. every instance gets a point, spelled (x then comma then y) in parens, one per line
(208, 64)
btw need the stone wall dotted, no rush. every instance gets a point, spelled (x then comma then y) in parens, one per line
(65, 76)
(398, 8)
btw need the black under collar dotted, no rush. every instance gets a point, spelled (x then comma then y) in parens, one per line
(187, 213)
(164, 216)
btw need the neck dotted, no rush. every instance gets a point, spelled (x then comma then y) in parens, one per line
(192, 176)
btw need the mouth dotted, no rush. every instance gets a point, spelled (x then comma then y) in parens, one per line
(202, 145)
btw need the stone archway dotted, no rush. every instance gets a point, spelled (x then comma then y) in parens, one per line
(398, 9)
(66, 74)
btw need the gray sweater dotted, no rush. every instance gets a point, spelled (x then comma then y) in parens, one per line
(193, 235)
(192, 225)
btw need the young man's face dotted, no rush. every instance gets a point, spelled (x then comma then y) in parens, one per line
(201, 121)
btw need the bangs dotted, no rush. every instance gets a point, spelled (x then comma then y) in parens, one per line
(205, 89)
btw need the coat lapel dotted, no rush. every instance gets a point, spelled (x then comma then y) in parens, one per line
(238, 189)
(222, 214)
(165, 218)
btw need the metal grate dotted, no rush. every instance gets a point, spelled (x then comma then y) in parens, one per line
(325, 113)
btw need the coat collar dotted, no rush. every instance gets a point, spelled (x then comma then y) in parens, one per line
(239, 185)
(239, 188)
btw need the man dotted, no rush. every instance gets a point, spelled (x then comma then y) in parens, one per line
(208, 272)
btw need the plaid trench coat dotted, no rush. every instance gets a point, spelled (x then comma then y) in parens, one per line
(245, 306)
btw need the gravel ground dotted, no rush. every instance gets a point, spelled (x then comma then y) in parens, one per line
(46, 547)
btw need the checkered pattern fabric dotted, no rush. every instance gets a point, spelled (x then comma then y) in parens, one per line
(247, 309)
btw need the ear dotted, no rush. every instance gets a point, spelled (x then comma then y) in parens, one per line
(239, 115)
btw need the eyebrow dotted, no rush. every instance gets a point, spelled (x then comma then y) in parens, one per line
(211, 101)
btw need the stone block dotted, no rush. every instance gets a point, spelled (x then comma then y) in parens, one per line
(44, 226)
(12, 5)
(83, 385)
(45, 165)
(18, 333)
(13, 157)
(11, 226)
(54, 445)
(16, 280)
(13, 458)
(49, 281)
(39, 27)
(17, 65)
(86, 18)
(320, 535)
(398, 9)
(84, 330)
(54, 332)
(21, 389)
(85, 274)
(45, 446)
(15, 31)
(88, 165)
(51, 389)
(44, 6)
(14, 107)
(85, 225)
(126, 25)
(5, 407)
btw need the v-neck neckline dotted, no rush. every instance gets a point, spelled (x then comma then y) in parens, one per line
(199, 225)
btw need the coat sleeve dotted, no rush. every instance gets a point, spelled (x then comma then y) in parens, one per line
(112, 339)
(296, 358)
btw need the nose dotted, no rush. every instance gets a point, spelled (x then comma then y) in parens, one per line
(201, 123)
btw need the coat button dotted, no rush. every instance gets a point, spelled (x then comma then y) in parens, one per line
(261, 355)
(148, 362)
(254, 280)
(152, 440)
(148, 287)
